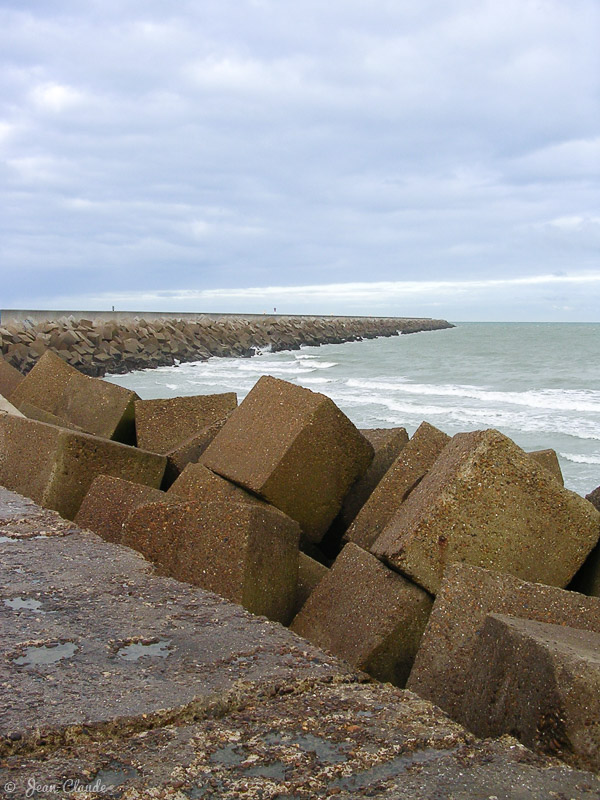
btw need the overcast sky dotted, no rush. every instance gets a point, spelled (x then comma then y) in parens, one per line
(437, 158)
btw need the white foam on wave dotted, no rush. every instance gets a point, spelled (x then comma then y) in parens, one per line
(556, 399)
(577, 458)
(469, 417)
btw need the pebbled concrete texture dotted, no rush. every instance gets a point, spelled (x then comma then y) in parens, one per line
(120, 683)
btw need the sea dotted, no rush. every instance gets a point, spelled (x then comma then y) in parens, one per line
(538, 383)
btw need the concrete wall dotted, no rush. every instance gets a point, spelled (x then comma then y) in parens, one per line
(13, 316)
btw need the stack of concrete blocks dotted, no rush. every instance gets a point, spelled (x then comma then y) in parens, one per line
(108, 345)
(502, 655)
(453, 549)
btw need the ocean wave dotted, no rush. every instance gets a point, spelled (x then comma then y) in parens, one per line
(556, 399)
(469, 417)
(577, 458)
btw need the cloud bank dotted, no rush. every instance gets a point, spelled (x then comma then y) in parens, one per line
(441, 156)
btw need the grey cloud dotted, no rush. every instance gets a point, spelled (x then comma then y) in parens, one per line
(260, 143)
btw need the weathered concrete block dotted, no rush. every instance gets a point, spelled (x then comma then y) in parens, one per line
(97, 407)
(162, 425)
(414, 461)
(55, 466)
(387, 444)
(541, 683)
(594, 497)
(108, 503)
(189, 450)
(247, 553)
(365, 613)
(549, 460)
(486, 502)
(10, 378)
(200, 485)
(33, 412)
(310, 574)
(444, 663)
(294, 448)
(587, 579)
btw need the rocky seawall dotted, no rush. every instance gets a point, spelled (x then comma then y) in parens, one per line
(99, 344)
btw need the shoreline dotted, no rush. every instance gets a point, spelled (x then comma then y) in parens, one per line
(104, 343)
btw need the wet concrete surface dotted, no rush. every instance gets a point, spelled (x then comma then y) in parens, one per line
(118, 683)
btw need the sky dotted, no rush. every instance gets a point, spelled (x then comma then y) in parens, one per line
(381, 157)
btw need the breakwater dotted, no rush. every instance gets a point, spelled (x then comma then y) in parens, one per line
(101, 343)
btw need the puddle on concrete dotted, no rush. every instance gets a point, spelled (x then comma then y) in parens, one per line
(22, 603)
(387, 770)
(46, 654)
(115, 774)
(327, 752)
(136, 650)
(228, 754)
(275, 771)
(6, 539)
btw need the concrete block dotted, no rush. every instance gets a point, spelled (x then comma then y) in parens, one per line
(189, 450)
(549, 460)
(365, 613)
(245, 552)
(414, 461)
(594, 497)
(10, 378)
(486, 502)
(33, 412)
(108, 503)
(310, 573)
(294, 448)
(587, 578)
(162, 425)
(541, 683)
(97, 407)
(201, 485)
(142, 650)
(445, 661)
(387, 444)
(56, 466)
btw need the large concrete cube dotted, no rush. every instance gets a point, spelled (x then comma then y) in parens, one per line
(541, 683)
(365, 613)
(201, 485)
(446, 658)
(245, 552)
(488, 503)
(162, 425)
(56, 466)
(10, 378)
(294, 448)
(96, 406)
(549, 459)
(310, 574)
(413, 462)
(108, 503)
(387, 444)
(189, 450)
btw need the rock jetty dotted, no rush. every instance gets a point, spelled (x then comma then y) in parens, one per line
(212, 611)
(97, 346)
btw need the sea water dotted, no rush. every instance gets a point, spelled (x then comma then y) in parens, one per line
(538, 383)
